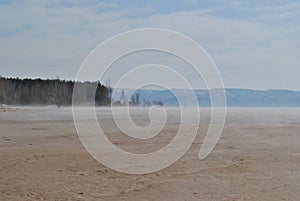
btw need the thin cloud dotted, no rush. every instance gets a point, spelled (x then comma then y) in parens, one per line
(41, 38)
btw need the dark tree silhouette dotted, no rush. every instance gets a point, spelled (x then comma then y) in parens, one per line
(15, 91)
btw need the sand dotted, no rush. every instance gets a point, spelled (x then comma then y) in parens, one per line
(257, 158)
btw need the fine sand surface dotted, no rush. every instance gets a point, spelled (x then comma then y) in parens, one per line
(257, 158)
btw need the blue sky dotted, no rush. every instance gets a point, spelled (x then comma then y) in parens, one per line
(255, 44)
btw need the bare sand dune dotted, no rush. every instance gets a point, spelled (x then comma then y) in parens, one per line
(257, 158)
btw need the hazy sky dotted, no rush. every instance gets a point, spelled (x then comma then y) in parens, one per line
(255, 44)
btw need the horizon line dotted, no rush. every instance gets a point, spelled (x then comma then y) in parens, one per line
(127, 88)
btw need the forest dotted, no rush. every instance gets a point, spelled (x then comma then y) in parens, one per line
(15, 91)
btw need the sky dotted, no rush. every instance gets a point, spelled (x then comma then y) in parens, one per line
(255, 44)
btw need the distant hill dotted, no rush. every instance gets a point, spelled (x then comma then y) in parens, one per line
(235, 97)
(14, 91)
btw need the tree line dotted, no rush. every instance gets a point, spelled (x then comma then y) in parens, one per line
(15, 91)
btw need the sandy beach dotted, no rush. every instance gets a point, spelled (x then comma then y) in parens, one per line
(257, 158)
